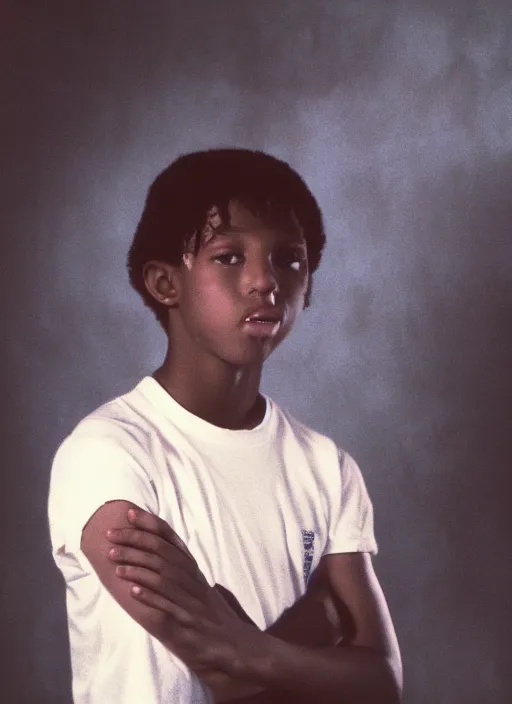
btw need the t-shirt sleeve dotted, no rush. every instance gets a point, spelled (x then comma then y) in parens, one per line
(351, 527)
(88, 470)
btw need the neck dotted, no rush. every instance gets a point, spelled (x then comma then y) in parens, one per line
(220, 394)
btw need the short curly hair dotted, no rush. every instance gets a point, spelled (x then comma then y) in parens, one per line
(179, 199)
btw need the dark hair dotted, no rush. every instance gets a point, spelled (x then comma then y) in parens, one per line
(180, 197)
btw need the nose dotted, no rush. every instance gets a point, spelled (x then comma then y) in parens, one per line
(260, 277)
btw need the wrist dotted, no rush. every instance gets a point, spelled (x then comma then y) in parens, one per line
(224, 688)
(257, 660)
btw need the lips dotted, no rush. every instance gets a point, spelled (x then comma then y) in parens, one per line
(263, 323)
(272, 315)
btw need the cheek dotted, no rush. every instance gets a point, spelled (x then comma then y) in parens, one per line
(295, 293)
(210, 300)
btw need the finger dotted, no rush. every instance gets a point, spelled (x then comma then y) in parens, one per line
(157, 601)
(154, 524)
(186, 576)
(149, 542)
(212, 678)
(178, 589)
(173, 561)
(133, 556)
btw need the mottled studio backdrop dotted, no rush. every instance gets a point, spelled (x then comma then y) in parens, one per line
(399, 116)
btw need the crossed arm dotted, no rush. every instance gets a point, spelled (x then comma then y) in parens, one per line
(297, 657)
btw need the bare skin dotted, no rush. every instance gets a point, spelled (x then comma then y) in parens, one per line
(213, 369)
(207, 629)
(175, 598)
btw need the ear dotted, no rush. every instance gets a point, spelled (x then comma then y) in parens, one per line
(163, 281)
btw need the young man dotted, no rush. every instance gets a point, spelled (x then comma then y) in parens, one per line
(249, 552)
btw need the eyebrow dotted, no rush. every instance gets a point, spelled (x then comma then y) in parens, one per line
(230, 230)
(234, 230)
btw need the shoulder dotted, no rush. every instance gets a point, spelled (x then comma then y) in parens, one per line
(331, 459)
(115, 427)
(107, 451)
(310, 438)
(105, 458)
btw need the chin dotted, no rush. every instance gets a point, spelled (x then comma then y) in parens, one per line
(254, 354)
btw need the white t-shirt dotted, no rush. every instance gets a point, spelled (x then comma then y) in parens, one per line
(256, 508)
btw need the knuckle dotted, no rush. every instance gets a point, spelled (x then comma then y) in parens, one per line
(119, 535)
(159, 618)
(135, 536)
(157, 563)
(188, 635)
(156, 581)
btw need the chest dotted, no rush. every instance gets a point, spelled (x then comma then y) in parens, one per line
(257, 525)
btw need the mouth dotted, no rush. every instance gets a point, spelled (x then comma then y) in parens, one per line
(264, 322)
(262, 328)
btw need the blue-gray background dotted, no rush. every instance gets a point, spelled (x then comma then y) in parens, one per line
(399, 116)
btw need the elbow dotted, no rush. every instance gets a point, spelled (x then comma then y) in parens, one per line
(384, 684)
(381, 684)
(391, 691)
(387, 691)
(394, 695)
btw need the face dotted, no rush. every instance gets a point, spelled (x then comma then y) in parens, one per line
(243, 266)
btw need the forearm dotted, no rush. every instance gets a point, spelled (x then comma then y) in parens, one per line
(324, 675)
(225, 688)
(309, 622)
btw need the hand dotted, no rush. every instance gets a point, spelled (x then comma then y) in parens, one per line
(189, 617)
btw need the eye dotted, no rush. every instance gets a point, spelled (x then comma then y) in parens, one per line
(227, 257)
(293, 259)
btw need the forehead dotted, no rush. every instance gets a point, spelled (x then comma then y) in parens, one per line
(241, 218)
(244, 221)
